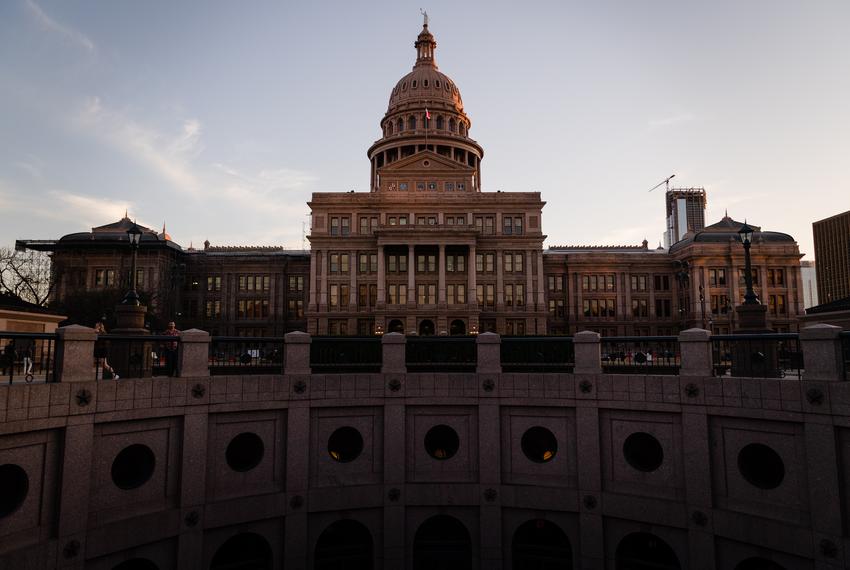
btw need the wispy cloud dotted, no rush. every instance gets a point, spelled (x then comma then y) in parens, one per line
(76, 37)
(92, 211)
(672, 121)
(168, 156)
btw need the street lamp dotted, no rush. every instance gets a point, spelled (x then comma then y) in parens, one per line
(134, 234)
(746, 235)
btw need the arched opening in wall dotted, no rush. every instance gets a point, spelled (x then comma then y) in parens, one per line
(758, 564)
(133, 466)
(643, 452)
(395, 326)
(457, 328)
(541, 544)
(245, 551)
(14, 486)
(462, 128)
(426, 328)
(761, 466)
(400, 125)
(389, 127)
(452, 125)
(442, 542)
(136, 564)
(345, 444)
(645, 551)
(539, 444)
(345, 545)
(244, 452)
(411, 123)
(440, 122)
(441, 442)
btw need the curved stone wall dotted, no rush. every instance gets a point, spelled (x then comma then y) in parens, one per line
(304, 471)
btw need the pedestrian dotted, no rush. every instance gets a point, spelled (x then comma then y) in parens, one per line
(9, 356)
(100, 353)
(171, 349)
(26, 350)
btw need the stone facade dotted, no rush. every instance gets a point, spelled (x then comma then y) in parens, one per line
(584, 470)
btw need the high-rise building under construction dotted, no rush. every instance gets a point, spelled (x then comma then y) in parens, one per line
(685, 213)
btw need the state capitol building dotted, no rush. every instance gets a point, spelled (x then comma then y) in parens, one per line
(427, 251)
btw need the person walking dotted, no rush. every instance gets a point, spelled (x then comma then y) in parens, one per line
(171, 349)
(100, 353)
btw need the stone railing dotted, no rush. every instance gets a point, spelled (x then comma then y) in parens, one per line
(694, 351)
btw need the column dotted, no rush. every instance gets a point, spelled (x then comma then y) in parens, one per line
(471, 298)
(500, 281)
(323, 286)
(382, 278)
(313, 279)
(441, 283)
(529, 282)
(411, 276)
(352, 290)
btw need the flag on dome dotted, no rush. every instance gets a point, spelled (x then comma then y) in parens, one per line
(427, 114)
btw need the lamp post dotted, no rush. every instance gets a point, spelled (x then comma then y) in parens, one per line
(682, 278)
(746, 235)
(134, 234)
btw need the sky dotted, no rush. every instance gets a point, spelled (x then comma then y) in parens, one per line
(220, 118)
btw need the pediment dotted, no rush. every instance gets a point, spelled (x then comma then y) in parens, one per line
(426, 161)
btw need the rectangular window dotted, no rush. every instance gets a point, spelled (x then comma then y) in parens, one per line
(639, 308)
(213, 309)
(296, 308)
(520, 295)
(509, 295)
(555, 282)
(392, 263)
(556, 308)
(509, 262)
(518, 225)
(345, 226)
(638, 282)
(333, 296)
(296, 283)
(140, 279)
(717, 277)
(507, 226)
(343, 263)
(334, 226)
(362, 295)
(337, 327)
(334, 268)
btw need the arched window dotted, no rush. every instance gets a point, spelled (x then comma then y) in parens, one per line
(641, 550)
(395, 324)
(541, 544)
(389, 127)
(457, 328)
(442, 542)
(462, 128)
(426, 328)
(400, 125)
(344, 544)
(411, 123)
(452, 125)
(246, 551)
(440, 122)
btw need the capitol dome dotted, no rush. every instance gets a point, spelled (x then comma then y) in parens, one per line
(425, 85)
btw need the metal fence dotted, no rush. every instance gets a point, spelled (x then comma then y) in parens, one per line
(119, 356)
(768, 355)
(537, 354)
(845, 353)
(27, 357)
(345, 355)
(245, 355)
(640, 355)
(441, 354)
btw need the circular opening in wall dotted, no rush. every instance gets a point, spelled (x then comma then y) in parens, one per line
(426, 163)
(643, 452)
(136, 564)
(539, 444)
(441, 442)
(244, 452)
(14, 485)
(133, 466)
(761, 466)
(345, 444)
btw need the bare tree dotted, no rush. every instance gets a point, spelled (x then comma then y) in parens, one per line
(26, 274)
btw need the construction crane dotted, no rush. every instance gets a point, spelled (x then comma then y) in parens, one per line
(665, 181)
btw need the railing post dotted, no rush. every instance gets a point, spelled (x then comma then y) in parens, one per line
(695, 352)
(75, 354)
(489, 347)
(296, 347)
(193, 356)
(393, 346)
(822, 356)
(588, 354)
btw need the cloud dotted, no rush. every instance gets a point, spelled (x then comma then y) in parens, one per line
(169, 157)
(672, 121)
(70, 34)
